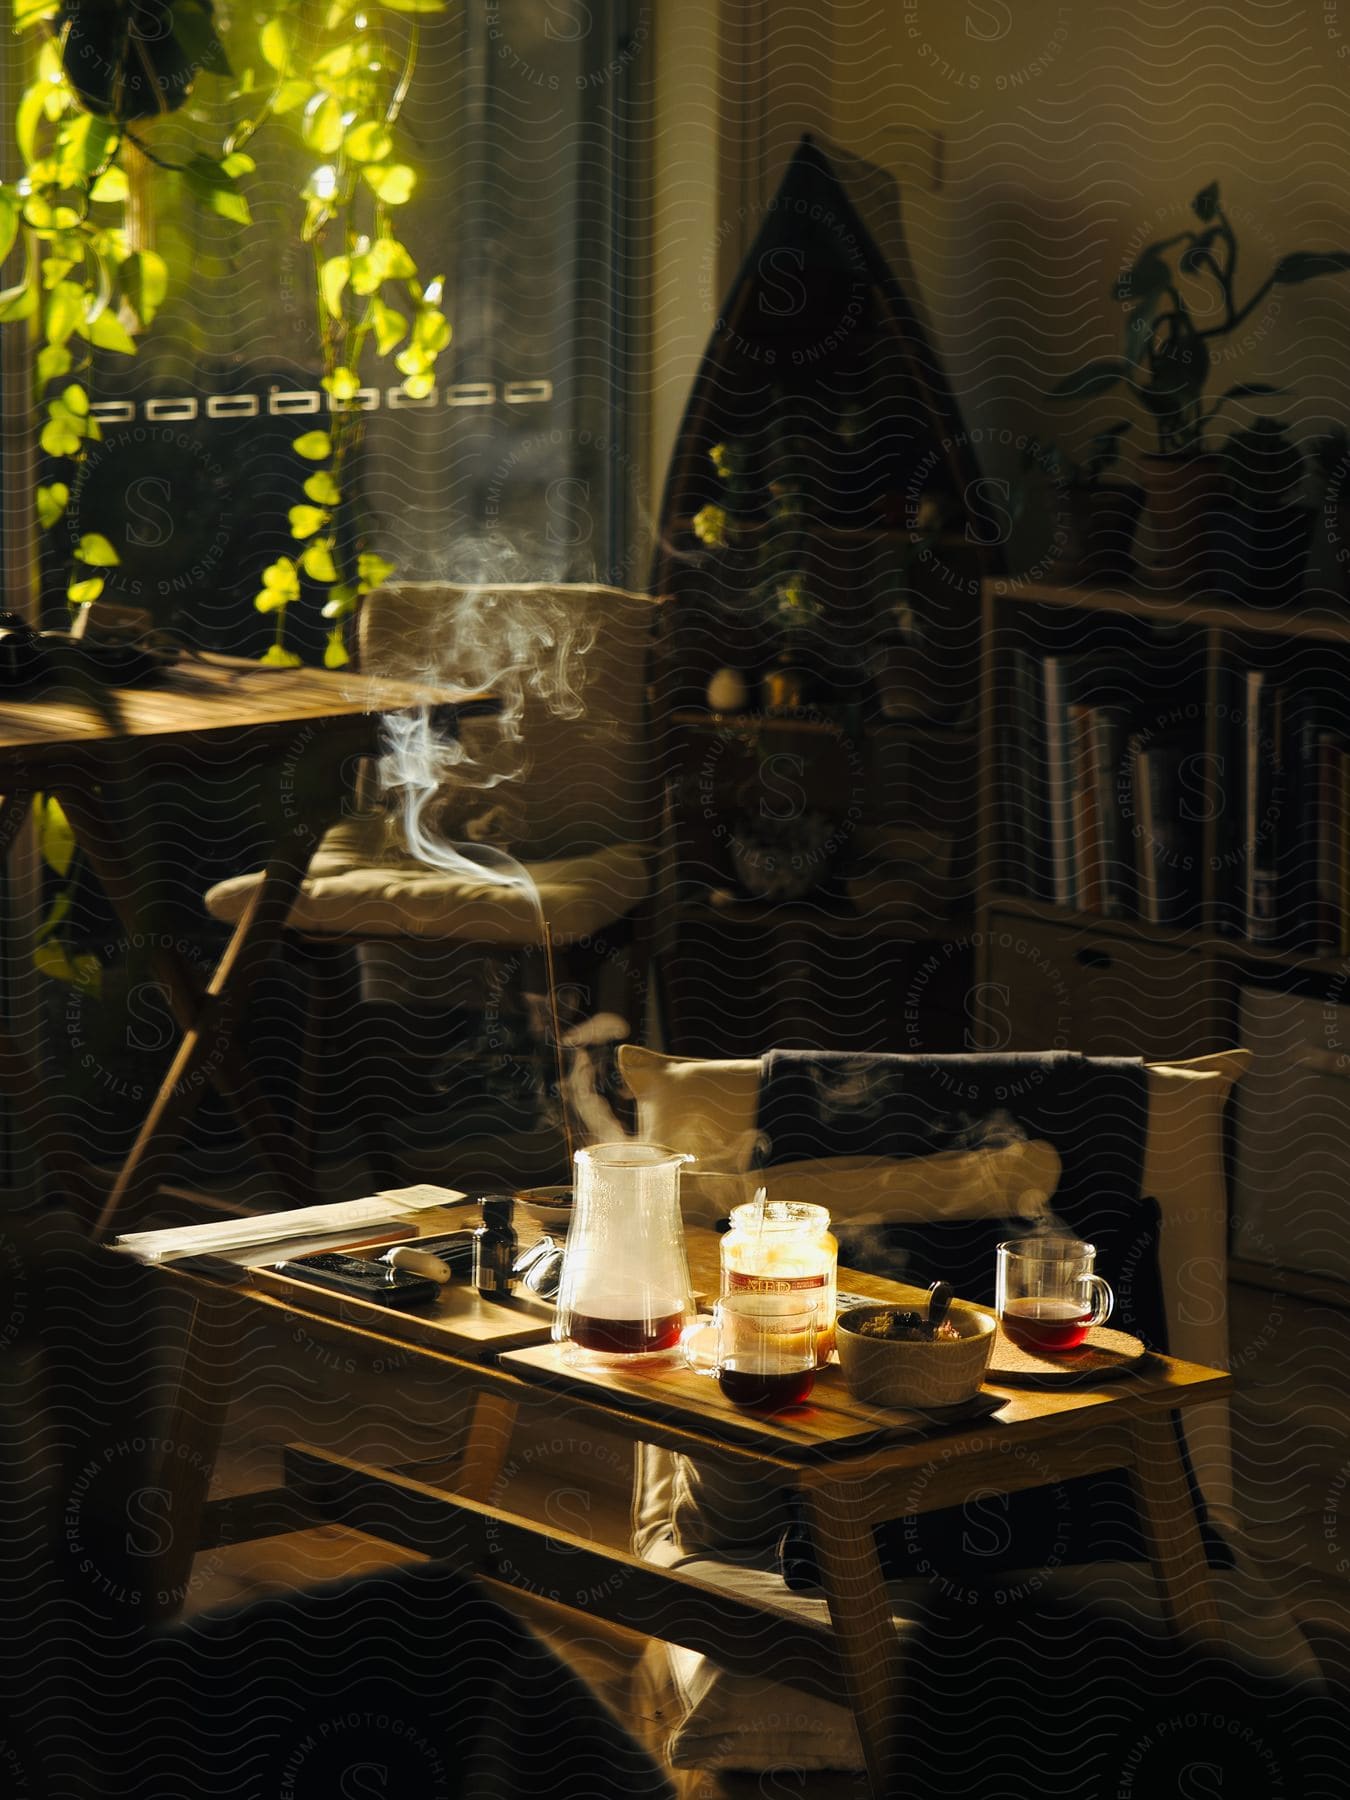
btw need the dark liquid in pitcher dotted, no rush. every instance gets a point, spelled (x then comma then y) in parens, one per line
(764, 1390)
(1046, 1327)
(626, 1337)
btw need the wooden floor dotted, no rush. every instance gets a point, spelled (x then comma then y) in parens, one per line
(1293, 1477)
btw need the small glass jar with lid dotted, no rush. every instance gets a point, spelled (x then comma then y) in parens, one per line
(785, 1247)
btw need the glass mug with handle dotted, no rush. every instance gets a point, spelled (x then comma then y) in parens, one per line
(1046, 1295)
(761, 1348)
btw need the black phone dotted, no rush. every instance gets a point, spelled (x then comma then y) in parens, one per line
(361, 1280)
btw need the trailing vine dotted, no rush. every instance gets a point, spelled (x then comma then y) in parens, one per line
(341, 71)
(346, 82)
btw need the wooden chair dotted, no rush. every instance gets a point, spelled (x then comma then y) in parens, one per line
(563, 780)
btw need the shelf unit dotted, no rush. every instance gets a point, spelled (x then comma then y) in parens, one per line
(1216, 634)
(1048, 975)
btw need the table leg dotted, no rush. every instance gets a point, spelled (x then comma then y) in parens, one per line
(228, 1072)
(1171, 1532)
(192, 1441)
(860, 1615)
(255, 938)
(486, 1445)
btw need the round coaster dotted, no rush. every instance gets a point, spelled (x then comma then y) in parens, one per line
(1106, 1353)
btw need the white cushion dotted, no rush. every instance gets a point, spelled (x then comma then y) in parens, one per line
(363, 883)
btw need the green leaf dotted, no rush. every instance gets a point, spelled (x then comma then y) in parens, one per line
(9, 220)
(431, 330)
(313, 446)
(1306, 265)
(1206, 203)
(333, 278)
(1145, 280)
(111, 188)
(371, 570)
(18, 302)
(144, 281)
(28, 12)
(107, 332)
(342, 384)
(393, 182)
(58, 438)
(389, 326)
(275, 45)
(27, 120)
(209, 184)
(419, 385)
(65, 310)
(56, 840)
(84, 593)
(277, 656)
(341, 601)
(280, 586)
(83, 971)
(336, 64)
(335, 654)
(317, 561)
(85, 144)
(306, 520)
(53, 361)
(369, 142)
(1093, 378)
(94, 549)
(322, 129)
(322, 489)
(291, 94)
(52, 501)
(415, 6)
(75, 400)
(237, 163)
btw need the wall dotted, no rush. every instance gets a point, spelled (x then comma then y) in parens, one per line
(1074, 134)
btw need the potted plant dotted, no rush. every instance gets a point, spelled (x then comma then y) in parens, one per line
(1265, 527)
(1166, 367)
(1095, 516)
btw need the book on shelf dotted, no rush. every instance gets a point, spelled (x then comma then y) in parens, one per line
(1167, 844)
(1070, 811)
(1059, 769)
(1263, 711)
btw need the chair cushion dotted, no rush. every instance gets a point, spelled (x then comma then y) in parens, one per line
(363, 883)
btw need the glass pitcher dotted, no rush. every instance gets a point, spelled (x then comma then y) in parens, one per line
(625, 1295)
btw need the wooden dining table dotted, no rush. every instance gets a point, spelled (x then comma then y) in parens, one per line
(299, 734)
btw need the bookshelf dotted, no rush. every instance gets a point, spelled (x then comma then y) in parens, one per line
(1078, 937)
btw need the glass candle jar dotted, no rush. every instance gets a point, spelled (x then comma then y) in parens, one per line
(785, 1247)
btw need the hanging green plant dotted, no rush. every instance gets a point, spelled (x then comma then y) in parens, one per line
(345, 84)
(83, 286)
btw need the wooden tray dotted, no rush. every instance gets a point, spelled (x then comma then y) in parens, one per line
(1105, 1355)
(675, 1395)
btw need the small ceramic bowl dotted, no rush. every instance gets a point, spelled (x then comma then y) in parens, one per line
(549, 1207)
(938, 1372)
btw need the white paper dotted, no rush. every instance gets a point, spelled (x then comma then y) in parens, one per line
(252, 1241)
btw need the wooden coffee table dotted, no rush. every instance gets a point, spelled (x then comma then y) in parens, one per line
(852, 1467)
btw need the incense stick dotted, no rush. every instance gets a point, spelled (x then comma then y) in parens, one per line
(557, 1038)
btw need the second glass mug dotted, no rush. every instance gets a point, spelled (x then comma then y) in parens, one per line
(763, 1348)
(1046, 1295)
